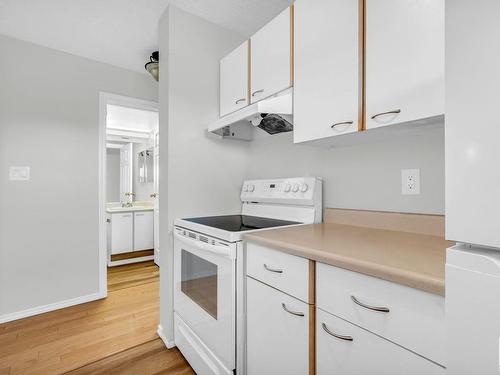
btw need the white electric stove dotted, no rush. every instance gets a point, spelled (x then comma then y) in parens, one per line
(209, 269)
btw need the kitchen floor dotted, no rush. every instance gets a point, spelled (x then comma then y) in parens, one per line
(116, 335)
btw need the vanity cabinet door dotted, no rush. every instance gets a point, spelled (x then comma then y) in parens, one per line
(404, 61)
(343, 348)
(122, 232)
(277, 332)
(326, 84)
(143, 230)
(271, 57)
(234, 80)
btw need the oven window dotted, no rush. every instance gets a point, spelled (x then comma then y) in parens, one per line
(199, 281)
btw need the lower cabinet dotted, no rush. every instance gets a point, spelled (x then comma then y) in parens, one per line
(121, 234)
(143, 230)
(345, 349)
(277, 331)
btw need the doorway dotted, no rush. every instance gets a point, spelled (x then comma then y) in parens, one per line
(128, 183)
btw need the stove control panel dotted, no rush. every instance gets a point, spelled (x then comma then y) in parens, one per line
(299, 190)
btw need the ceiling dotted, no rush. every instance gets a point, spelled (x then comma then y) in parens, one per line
(120, 32)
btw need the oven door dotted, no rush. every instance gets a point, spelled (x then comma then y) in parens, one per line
(205, 290)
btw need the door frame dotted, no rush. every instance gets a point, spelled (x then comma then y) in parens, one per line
(106, 98)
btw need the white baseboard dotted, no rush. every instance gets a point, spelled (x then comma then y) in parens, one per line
(168, 343)
(113, 263)
(50, 307)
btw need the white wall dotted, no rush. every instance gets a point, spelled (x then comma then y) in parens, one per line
(49, 103)
(199, 175)
(364, 176)
(113, 175)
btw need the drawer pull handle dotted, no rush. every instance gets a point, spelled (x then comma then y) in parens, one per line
(276, 270)
(290, 311)
(257, 92)
(342, 337)
(240, 101)
(342, 123)
(395, 112)
(374, 308)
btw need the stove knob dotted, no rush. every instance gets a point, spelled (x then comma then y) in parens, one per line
(295, 188)
(287, 188)
(245, 188)
(251, 188)
(303, 187)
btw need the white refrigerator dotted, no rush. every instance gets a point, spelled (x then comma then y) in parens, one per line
(472, 137)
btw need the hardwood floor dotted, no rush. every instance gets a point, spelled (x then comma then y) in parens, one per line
(99, 337)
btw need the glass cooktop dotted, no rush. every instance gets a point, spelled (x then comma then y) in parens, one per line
(240, 223)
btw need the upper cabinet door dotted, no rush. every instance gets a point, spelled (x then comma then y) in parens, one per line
(271, 57)
(234, 80)
(326, 84)
(404, 60)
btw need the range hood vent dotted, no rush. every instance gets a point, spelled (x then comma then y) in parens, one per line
(272, 115)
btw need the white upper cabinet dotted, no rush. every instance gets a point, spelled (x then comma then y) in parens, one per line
(326, 78)
(271, 57)
(404, 60)
(234, 80)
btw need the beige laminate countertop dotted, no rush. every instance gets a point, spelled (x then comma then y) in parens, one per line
(414, 260)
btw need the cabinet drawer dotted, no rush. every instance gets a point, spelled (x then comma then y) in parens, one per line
(277, 340)
(366, 353)
(415, 319)
(285, 272)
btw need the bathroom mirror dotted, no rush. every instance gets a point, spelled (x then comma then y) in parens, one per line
(146, 171)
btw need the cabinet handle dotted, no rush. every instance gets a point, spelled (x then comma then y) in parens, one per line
(342, 337)
(153, 195)
(394, 112)
(290, 311)
(374, 308)
(257, 92)
(342, 123)
(276, 270)
(239, 101)
(139, 214)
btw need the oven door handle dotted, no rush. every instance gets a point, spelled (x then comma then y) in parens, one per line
(216, 249)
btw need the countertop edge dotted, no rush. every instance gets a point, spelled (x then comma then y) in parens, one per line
(410, 279)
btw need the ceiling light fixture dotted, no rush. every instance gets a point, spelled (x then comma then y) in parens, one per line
(153, 65)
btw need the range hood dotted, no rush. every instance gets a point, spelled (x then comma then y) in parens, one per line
(272, 115)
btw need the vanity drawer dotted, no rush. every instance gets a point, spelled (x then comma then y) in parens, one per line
(415, 319)
(283, 271)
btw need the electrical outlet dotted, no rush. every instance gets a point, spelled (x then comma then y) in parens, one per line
(410, 181)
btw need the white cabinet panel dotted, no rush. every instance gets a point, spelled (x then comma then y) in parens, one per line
(271, 57)
(472, 132)
(277, 340)
(143, 230)
(234, 80)
(366, 353)
(404, 60)
(415, 320)
(122, 232)
(326, 79)
(283, 271)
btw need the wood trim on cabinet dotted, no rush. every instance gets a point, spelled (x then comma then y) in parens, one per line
(132, 254)
(249, 72)
(312, 317)
(292, 42)
(312, 339)
(312, 282)
(362, 66)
